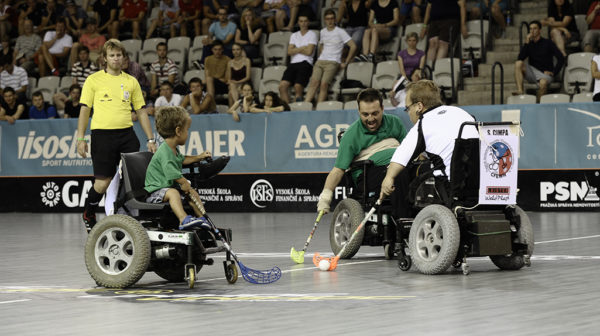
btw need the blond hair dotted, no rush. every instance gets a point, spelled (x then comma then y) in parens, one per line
(168, 118)
(113, 44)
(424, 91)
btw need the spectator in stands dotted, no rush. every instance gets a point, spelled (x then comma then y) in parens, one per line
(191, 16)
(168, 18)
(131, 16)
(210, 10)
(198, 101)
(40, 109)
(79, 73)
(254, 5)
(498, 7)
(356, 15)
(75, 18)
(443, 17)
(330, 61)
(222, 30)
(216, 70)
(596, 77)
(540, 69)
(71, 104)
(7, 14)
(106, 13)
(592, 36)
(90, 39)
(384, 17)
(52, 12)
(415, 9)
(561, 21)
(295, 8)
(272, 103)
(32, 10)
(301, 50)
(270, 9)
(238, 73)
(163, 69)
(244, 104)
(10, 109)
(55, 48)
(134, 69)
(27, 45)
(249, 33)
(7, 49)
(167, 97)
(411, 60)
(15, 77)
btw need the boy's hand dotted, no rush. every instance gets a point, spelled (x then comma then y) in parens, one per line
(205, 155)
(185, 186)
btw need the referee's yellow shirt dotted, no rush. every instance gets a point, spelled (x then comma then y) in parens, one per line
(112, 98)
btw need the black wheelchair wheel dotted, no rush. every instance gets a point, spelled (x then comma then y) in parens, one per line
(525, 236)
(346, 218)
(231, 273)
(404, 262)
(117, 251)
(434, 239)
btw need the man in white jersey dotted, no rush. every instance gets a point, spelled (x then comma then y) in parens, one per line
(330, 61)
(436, 127)
(301, 50)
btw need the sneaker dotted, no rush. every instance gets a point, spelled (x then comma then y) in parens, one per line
(370, 58)
(197, 64)
(190, 222)
(89, 219)
(55, 72)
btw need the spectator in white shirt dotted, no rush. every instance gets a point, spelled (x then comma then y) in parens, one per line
(56, 47)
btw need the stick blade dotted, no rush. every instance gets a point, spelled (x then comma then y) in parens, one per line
(333, 263)
(297, 257)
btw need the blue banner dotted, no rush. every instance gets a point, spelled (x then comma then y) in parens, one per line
(556, 136)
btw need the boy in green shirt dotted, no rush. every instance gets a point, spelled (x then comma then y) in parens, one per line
(173, 124)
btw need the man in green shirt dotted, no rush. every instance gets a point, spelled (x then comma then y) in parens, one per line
(374, 136)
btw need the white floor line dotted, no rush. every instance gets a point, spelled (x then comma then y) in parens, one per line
(14, 301)
(566, 239)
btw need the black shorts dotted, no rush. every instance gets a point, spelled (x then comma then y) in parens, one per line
(298, 73)
(441, 29)
(107, 146)
(220, 87)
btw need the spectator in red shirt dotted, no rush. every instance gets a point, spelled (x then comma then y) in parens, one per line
(131, 15)
(191, 14)
(592, 36)
(91, 39)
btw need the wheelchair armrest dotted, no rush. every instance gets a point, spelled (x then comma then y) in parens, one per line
(362, 164)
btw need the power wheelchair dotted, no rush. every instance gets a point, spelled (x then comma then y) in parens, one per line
(145, 237)
(446, 224)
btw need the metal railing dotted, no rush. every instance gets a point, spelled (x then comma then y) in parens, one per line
(494, 83)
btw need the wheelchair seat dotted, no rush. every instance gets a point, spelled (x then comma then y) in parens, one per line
(134, 178)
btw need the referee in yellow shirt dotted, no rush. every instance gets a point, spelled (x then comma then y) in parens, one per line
(112, 93)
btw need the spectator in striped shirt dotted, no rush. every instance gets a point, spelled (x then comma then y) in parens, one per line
(85, 67)
(163, 69)
(27, 45)
(15, 77)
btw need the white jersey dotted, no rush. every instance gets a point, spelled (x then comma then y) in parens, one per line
(440, 128)
(597, 81)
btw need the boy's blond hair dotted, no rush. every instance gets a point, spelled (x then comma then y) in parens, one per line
(168, 118)
(113, 44)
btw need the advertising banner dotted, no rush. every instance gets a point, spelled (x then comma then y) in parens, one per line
(498, 169)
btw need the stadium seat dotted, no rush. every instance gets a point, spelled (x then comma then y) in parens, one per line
(222, 108)
(473, 40)
(329, 105)
(360, 71)
(65, 84)
(554, 98)
(195, 54)
(270, 80)
(150, 44)
(389, 50)
(48, 84)
(442, 75)
(181, 43)
(133, 48)
(255, 77)
(521, 99)
(351, 105)
(31, 86)
(275, 50)
(193, 73)
(301, 106)
(385, 75)
(178, 57)
(584, 97)
(146, 58)
(578, 73)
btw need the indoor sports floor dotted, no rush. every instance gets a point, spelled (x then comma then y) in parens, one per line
(45, 288)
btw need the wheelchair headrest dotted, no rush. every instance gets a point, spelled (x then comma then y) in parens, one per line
(134, 169)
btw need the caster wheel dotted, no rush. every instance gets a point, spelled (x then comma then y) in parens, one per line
(231, 272)
(404, 263)
(465, 269)
(191, 277)
(457, 264)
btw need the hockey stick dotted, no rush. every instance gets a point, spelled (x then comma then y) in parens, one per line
(334, 260)
(298, 257)
(249, 274)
